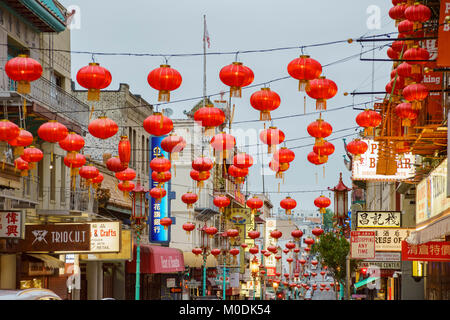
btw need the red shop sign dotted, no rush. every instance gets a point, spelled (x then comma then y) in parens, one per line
(430, 251)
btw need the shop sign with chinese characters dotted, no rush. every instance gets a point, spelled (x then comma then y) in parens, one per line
(105, 236)
(378, 219)
(389, 239)
(362, 244)
(366, 167)
(429, 251)
(12, 224)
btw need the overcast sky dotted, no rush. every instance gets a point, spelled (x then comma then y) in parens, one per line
(174, 27)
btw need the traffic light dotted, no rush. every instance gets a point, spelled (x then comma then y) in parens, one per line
(363, 271)
(186, 275)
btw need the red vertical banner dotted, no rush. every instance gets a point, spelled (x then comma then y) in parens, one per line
(430, 251)
(443, 58)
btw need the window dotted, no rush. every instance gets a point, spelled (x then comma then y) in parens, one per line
(142, 150)
(63, 181)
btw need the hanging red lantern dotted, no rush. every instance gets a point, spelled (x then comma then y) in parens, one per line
(368, 119)
(23, 70)
(74, 162)
(406, 27)
(392, 54)
(404, 70)
(124, 151)
(94, 78)
(315, 159)
(276, 234)
(158, 124)
(357, 147)
(211, 231)
(126, 187)
(284, 155)
(161, 177)
(302, 261)
(272, 137)
(32, 155)
(236, 76)
(113, 164)
(158, 193)
(215, 252)
(397, 13)
(288, 204)
(304, 69)
(202, 164)
(238, 174)
(317, 232)
(267, 254)
(189, 199)
(52, 131)
(244, 246)
(399, 46)
(254, 203)
(296, 250)
(297, 234)
(197, 251)
(272, 249)
(173, 144)
(279, 168)
(309, 242)
(418, 14)
(253, 250)
(307, 249)
(209, 118)
(126, 175)
(72, 143)
(165, 222)
(243, 160)
(278, 257)
(103, 128)
(160, 164)
(321, 89)
(164, 79)
(234, 251)
(265, 101)
(416, 53)
(253, 234)
(96, 181)
(223, 143)
(324, 150)
(290, 245)
(24, 139)
(415, 93)
(22, 165)
(322, 202)
(8, 130)
(319, 129)
(200, 177)
(88, 172)
(405, 112)
(232, 233)
(221, 202)
(188, 227)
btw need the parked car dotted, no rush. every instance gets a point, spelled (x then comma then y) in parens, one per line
(29, 294)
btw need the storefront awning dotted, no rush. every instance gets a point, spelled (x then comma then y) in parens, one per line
(156, 259)
(365, 281)
(49, 261)
(433, 231)
(193, 261)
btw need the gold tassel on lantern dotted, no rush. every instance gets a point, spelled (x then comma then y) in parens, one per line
(161, 123)
(235, 92)
(24, 108)
(23, 87)
(92, 112)
(321, 104)
(209, 131)
(265, 116)
(302, 84)
(93, 95)
(164, 95)
(416, 105)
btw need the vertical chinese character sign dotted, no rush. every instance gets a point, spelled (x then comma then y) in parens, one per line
(11, 224)
(158, 210)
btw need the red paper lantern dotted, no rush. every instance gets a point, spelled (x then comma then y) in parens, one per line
(22, 165)
(223, 142)
(368, 119)
(357, 147)
(265, 101)
(279, 168)
(23, 70)
(317, 232)
(284, 155)
(72, 143)
(272, 137)
(416, 53)
(392, 54)
(253, 250)
(158, 193)
(238, 174)
(32, 155)
(94, 78)
(288, 204)
(415, 93)
(406, 27)
(304, 69)
(211, 231)
(253, 234)
(319, 129)
(52, 131)
(418, 13)
(309, 241)
(234, 251)
(24, 139)
(9, 131)
(254, 203)
(307, 249)
(113, 164)
(296, 250)
(157, 124)
(302, 261)
(244, 245)
(161, 177)
(164, 79)
(103, 128)
(232, 233)
(321, 89)
(276, 234)
(124, 151)
(236, 76)
(126, 187)
(397, 13)
(126, 175)
(278, 257)
(297, 234)
(74, 162)
(88, 172)
(272, 249)
(160, 164)
(243, 160)
(188, 227)
(209, 118)
(221, 202)
(96, 181)
(322, 202)
(399, 46)
(173, 144)
(215, 252)
(189, 198)
(200, 177)
(197, 251)
(290, 245)
(405, 112)
(202, 164)
(315, 159)
(324, 150)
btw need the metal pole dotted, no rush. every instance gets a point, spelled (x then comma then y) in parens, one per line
(204, 274)
(224, 282)
(204, 60)
(138, 265)
(348, 277)
(254, 288)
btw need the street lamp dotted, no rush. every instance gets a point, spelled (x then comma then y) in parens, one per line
(254, 269)
(138, 218)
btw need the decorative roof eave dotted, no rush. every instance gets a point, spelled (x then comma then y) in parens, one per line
(340, 186)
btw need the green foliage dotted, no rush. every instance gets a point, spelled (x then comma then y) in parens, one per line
(328, 220)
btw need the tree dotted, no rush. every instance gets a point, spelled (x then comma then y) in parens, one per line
(333, 249)
(328, 219)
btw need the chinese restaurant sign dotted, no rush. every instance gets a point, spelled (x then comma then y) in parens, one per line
(378, 219)
(366, 167)
(431, 194)
(362, 245)
(389, 239)
(11, 224)
(430, 251)
(57, 237)
(105, 236)
(158, 210)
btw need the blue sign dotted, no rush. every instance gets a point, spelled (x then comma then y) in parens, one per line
(158, 210)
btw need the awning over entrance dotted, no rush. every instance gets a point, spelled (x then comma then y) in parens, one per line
(156, 259)
(49, 261)
(193, 261)
(433, 231)
(365, 281)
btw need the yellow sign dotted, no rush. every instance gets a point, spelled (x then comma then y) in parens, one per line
(240, 215)
(125, 252)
